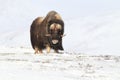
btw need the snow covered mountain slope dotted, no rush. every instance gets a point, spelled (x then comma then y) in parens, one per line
(94, 34)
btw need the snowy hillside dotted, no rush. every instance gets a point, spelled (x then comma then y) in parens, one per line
(92, 34)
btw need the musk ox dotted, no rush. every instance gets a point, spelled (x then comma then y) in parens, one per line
(47, 33)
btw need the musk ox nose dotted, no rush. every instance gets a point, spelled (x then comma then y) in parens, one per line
(54, 41)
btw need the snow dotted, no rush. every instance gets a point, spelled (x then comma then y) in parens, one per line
(66, 66)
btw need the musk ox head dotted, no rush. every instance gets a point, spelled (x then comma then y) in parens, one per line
(55, 30)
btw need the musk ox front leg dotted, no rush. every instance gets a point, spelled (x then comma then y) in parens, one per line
(48, 48)
(56, 51)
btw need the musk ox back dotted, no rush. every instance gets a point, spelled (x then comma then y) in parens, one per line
(47, 33)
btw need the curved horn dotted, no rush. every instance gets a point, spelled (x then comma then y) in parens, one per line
(63, 35)
(59, 26)
(52, 26)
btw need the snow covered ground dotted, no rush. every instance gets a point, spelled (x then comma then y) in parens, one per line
(22, 64)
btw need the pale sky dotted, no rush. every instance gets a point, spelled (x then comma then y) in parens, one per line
(80, 7)
(68, 8)
(24, 11)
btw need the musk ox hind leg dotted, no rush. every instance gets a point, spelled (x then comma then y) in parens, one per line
(40, 50)
(36, 50)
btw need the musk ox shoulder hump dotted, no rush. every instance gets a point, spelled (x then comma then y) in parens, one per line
(39, 20)
(57, 16)
(53, 15)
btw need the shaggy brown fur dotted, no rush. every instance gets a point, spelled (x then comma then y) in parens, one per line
(47, 33)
